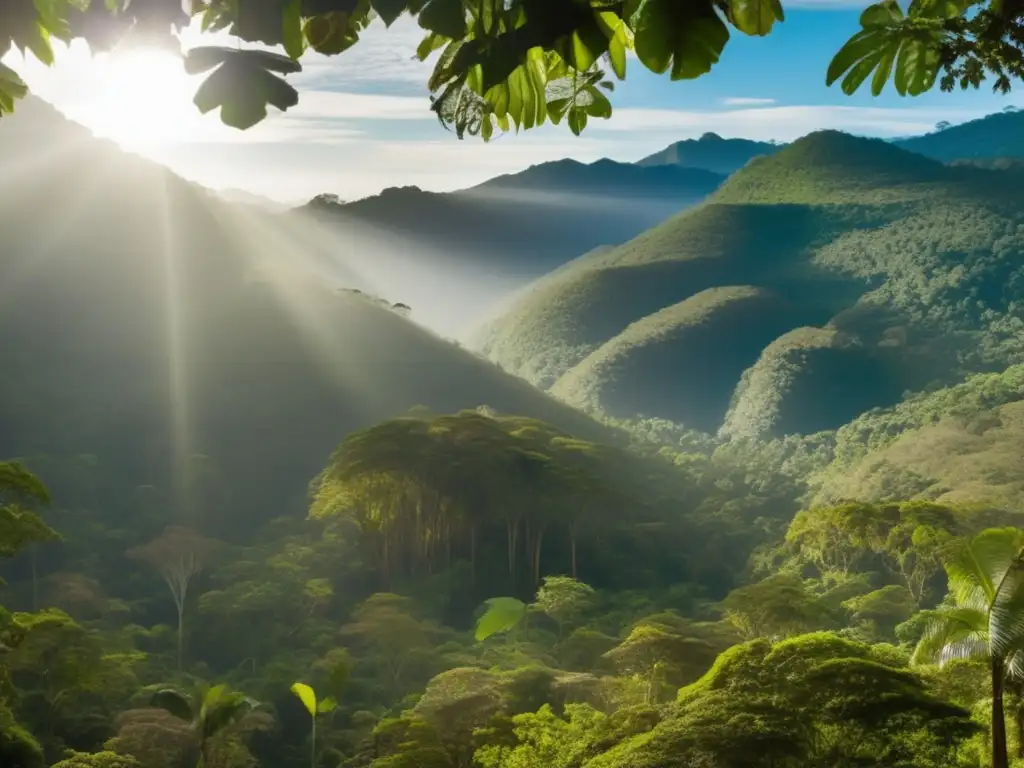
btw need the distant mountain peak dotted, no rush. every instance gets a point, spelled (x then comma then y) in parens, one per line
(710, 152)
(711, 136)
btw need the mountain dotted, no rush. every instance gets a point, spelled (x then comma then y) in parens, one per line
(452, 255)
(993, 136)
(710, 152)
(816, 283)
(258, 202)
(143, 322)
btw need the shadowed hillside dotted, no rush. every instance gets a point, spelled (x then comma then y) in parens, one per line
(453, 255)
(909, 271)
(144, 321)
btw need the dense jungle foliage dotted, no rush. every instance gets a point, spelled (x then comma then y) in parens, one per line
(478, 590)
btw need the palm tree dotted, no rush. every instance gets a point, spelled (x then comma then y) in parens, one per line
(986, 619)
(208, 710)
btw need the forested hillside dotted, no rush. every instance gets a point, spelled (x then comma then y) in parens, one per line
(989, 137)
(144, 323)
(252, 516)
(830, 277)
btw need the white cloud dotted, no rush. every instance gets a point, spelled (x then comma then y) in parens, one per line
(783, 123)
(746, 101)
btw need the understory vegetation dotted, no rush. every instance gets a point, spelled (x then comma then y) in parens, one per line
(479, 590)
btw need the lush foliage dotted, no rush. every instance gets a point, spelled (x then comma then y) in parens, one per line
(503, 65)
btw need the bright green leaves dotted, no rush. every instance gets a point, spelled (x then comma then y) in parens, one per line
(306, 696)
(502, 614)
(686, 37)
(620, 40)
(243, 85)
(755, 17)
(577, 99)
(12, 88)
(906, 49)
(294, 38)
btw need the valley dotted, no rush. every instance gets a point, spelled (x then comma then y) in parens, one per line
(733, 436)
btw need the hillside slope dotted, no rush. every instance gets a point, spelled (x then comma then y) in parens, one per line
(453, 255)
(711, 152)
(143, 321)
(992, 136)
(900, 271)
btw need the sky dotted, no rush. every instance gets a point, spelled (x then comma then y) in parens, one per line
(363, 122)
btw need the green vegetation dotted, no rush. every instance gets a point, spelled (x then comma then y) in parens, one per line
(894, 273)
(988, 138)
(511, 64)
(723, 328)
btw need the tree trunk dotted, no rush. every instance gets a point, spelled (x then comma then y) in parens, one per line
(1000, 758)
(536, 556)
(181, 633)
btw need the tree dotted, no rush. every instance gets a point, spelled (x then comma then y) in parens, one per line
(208, 712)
(650, 649)
(986, 619)
(179, 554)
(511, 64)
(563, 599)
(21, 492)
(105, 759)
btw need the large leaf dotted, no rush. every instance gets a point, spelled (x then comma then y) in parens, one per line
(688, 37)
(243, 85)
(306, 696)
(502, 614)
(755, 17)
(445, 17)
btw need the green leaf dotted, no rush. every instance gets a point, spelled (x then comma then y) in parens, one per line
(503, 613)
(326, 706)
(12, 88)
(918, 65)
(445, 17)
(294, 39)
(332, 33)
(577, 120)
(599, 106)
(389, 10)
(881, 15)
(884, 68)
(755, 17)
(244, 85)
(688, 37)
(306, 696)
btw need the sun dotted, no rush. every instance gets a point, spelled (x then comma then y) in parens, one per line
(141, 98)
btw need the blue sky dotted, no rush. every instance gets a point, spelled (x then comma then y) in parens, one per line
(363, 122)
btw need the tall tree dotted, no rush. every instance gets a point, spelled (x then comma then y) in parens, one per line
(21, 494)
(179, 554)
(986, 620)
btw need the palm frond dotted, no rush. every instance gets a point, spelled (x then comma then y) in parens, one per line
(953, 633)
